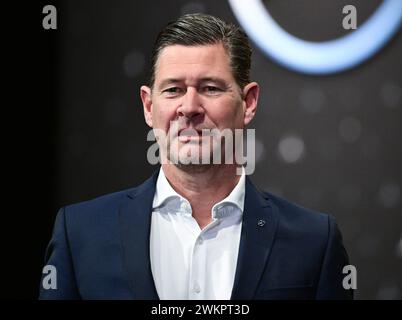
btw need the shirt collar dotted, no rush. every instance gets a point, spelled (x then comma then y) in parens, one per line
(164, 192)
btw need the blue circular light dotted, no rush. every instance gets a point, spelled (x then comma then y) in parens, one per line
(318, 57)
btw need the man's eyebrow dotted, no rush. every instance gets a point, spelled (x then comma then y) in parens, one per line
(217, 80)
(169, 81)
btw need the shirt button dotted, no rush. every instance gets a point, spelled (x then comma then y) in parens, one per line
(196, 288)
(200, 241)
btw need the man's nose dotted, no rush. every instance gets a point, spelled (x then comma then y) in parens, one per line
(191, 104)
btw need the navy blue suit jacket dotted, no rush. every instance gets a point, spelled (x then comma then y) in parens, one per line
(100, 249)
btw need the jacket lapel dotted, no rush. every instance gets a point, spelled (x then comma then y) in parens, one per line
(260, 220)
(135, 222)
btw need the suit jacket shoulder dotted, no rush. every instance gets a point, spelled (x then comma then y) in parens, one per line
(298, 220)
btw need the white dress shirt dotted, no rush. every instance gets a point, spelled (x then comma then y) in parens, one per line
(187, 262)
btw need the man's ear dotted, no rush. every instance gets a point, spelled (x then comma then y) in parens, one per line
(250, 100)
(145, 93)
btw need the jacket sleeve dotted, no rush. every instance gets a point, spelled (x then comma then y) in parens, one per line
(330, 285)
(58, 257)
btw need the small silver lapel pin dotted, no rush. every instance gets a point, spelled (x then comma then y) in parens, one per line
(261, 223)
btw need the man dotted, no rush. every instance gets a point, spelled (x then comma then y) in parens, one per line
(196, 229)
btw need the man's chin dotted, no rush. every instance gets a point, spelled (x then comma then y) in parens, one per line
(193, 168)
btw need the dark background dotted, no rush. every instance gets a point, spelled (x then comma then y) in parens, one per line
(330, 143)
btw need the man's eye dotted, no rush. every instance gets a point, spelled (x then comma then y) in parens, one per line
(172, 91)
(212, 89)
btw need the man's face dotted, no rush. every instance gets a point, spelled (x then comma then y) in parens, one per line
(195, 89)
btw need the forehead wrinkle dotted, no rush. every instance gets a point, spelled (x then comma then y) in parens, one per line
(192, 55)
(193, 52)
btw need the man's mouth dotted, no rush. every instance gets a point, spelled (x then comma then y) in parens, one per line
(189, 134)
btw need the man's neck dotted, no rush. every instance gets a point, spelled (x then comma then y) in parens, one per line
(202, 186)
